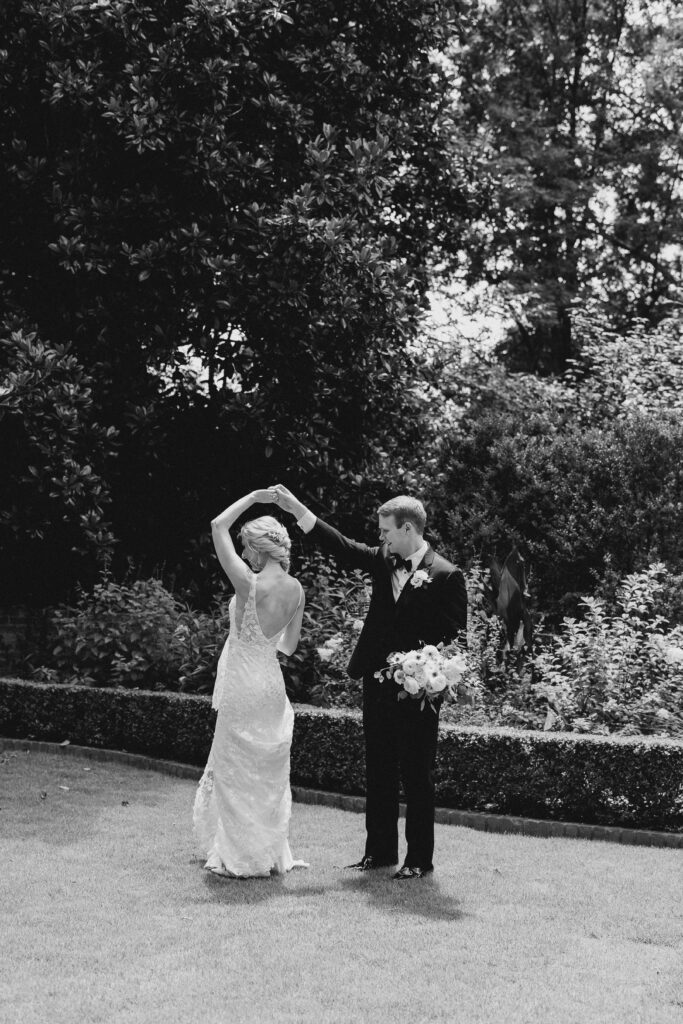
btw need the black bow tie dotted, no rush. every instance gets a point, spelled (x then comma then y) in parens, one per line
(402, 563)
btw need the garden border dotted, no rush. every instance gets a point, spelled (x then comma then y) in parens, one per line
(477, 820)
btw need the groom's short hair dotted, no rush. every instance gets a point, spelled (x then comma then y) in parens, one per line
(405, 509)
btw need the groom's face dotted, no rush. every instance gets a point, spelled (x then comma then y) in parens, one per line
(398, 539)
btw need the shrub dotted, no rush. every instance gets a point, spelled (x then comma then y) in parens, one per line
(617, 670)
(169, 725)
(133, 635)
(618, 374)
(118, 635)
(626, 781)
(620, 671)
(53, 490)
(336, 604)
(140, 635)
(198, 640)
(568, 496)
(605, 780)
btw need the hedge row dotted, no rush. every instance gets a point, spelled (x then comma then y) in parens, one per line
(632, 782)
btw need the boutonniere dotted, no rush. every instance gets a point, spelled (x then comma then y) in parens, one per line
(420, 578)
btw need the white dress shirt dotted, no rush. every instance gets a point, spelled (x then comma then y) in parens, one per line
(399, 577)
(307, 521)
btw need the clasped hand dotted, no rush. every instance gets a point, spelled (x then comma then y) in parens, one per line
(277, 494)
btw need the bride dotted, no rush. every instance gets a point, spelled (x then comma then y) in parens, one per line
(243, 802)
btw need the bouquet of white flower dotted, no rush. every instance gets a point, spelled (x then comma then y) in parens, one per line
(427, 673)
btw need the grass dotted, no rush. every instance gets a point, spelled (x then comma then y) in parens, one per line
(107, 915)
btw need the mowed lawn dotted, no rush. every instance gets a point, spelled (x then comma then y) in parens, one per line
(106, 914)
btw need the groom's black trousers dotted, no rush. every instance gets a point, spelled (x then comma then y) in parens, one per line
(400, 748)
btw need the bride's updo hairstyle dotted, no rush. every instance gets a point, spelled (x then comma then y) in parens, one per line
(265, 538)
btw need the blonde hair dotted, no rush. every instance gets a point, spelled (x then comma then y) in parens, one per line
(405, 509)
(265, 538)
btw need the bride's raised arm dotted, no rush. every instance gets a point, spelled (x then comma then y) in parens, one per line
(231, 563)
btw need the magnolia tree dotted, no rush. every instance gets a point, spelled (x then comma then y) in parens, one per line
(227, 209)
(53, 498)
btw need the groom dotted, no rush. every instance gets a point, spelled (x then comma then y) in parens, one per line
(407, 610)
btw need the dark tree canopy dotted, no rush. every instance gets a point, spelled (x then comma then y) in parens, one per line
(219, 222)
(244, 193)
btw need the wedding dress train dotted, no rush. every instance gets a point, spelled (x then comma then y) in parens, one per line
(243, 803)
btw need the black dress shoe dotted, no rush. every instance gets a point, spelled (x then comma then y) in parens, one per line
(369, 863)
(407, 872)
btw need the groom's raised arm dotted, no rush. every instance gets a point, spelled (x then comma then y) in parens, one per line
(350, 553)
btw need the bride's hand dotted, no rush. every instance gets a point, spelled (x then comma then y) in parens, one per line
(286, 500)
(264, 496)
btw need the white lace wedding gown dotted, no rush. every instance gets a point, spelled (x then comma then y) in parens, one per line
(244, 802)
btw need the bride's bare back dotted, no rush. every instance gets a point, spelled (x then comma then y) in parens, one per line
(276, 602)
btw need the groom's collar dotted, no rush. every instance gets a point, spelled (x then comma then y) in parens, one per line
(423, 556)
(418, 557)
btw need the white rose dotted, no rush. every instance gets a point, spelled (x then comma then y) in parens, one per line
(430, 651)
(357, 625)
(410, 661)
(437, 683)
(411, 686)
(421, 673)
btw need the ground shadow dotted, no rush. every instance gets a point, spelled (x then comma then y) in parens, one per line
(230, 891)
(422, 897)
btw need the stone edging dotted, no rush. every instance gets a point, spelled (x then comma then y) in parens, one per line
(443, 816)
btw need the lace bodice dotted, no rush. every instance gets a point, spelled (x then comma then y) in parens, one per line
(248, 630)
(247, 642)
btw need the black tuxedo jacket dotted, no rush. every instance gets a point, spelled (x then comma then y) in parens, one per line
(429, 614)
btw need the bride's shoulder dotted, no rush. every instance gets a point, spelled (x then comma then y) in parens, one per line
(293, 585)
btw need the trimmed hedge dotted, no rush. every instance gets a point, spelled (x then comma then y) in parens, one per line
(634, 782)
(169, 725)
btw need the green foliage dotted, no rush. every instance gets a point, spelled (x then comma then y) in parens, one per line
(605, 780)
(119, 635)
(52, 492)
(227, 209)
(173, 726)
(493, 661)
(620, 671)
(140, 635)
(619, 374)
(568, 119)
(570, 497)
(336, 605)
(198, 639)
(133, 635)
(610, 781)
